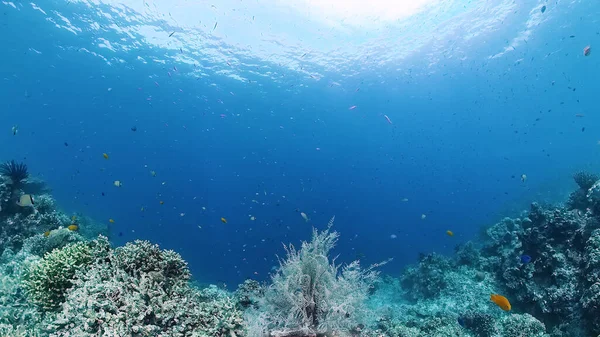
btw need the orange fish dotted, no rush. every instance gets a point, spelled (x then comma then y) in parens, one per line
(73, 227)
(46, 233)
(450, 233)
(501, 301)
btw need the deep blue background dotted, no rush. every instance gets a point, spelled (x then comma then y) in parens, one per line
(463, 133)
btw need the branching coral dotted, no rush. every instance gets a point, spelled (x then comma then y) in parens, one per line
(140, 290)
(47, 281)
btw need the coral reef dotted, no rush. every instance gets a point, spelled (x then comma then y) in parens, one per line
(587, 195)
(142, 290)
(57, 282)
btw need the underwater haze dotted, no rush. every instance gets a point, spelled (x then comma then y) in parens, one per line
(232, 127)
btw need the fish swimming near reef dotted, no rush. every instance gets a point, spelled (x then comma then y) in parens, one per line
(501, 301)
(26, 200)
(525, 259)
(304, 216)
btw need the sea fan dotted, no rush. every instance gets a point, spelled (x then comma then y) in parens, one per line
(17, 172)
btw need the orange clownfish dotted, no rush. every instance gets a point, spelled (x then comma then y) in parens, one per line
(450, 233)
(501, 301)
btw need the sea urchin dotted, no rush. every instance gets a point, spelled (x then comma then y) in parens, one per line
(17, 172)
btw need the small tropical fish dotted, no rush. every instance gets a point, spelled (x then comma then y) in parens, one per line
(388, 119)
(352, 107)
(215, 27)
(404, 199)
(73, 227)
(304, 216)
(118, 183)
(46, 234)
(111, 220)
(15, 130)
(142, 209)
(162, 202)
(223, 220)
(525, 259)
(105, 155)
(523, 177)
(450, 233)
(543, 9)
(153, 173)
(25, 200)
(501, 301)
(423, 216)
(74, 218)
(587, 50)
(171, 34)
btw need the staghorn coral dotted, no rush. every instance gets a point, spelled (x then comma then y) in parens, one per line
(143, 257)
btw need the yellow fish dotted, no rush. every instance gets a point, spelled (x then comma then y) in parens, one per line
(223, 220)
(501, 301)
(105, 156)
(73, 227)
(450, 233)
(111, 220)
(46, 234)
(118, 183)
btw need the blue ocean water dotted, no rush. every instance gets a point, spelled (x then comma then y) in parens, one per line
(257, 111)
